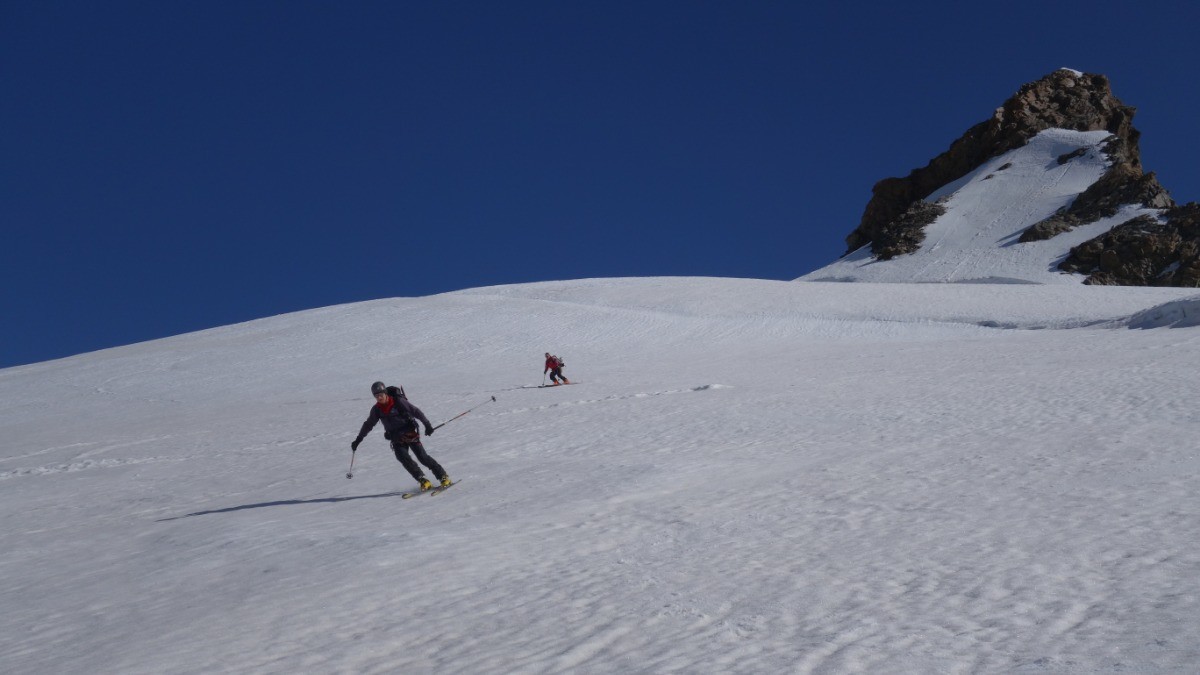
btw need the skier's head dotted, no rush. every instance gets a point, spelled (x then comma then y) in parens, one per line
(378, 388)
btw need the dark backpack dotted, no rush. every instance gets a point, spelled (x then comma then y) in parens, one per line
(559, 361)
(397, 391)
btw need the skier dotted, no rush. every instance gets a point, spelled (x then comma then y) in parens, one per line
(399, 419)
(554, 366)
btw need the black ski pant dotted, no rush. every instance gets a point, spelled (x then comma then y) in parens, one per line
(555, 374)
(401, 449)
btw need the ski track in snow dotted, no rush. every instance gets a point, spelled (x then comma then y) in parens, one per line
(608, 399)
(895, 490)
(83, 464)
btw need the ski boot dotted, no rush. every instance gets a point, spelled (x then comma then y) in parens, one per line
(425, 484)
(446, 481)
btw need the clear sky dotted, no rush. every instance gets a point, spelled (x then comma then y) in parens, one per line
(172, 166)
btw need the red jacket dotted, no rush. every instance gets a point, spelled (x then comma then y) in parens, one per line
(551, 363)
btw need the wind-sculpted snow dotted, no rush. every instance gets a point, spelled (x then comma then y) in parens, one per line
(1175, 314)
(749, 477)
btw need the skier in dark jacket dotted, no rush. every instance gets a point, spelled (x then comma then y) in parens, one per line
(399, 419)
(554, 366)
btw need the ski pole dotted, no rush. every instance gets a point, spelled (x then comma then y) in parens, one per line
(490, 400)
(350, 473)
(543, 379)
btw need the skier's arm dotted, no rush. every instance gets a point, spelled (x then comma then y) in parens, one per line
(372, 419)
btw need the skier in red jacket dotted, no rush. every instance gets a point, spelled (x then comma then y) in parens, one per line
(554, 366)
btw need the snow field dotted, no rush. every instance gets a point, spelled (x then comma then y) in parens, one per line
(750, 477)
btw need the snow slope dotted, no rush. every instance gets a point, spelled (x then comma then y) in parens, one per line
(750, 477)
(986, 212)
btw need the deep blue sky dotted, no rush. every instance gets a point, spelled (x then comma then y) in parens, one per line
(172, 166)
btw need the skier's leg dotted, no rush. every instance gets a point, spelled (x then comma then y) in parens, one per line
(401, 450)
(419, 451)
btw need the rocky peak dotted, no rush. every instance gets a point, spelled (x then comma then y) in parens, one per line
(1064, 99)
(1160, 246)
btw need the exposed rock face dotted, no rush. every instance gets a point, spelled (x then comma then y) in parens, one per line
(1143, 251)
(906, 231)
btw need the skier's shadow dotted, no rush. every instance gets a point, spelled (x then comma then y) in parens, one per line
(285, 502)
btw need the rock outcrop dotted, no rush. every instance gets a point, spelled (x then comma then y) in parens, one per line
(1144, 251)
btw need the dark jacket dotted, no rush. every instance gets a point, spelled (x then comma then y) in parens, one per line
(400, 419)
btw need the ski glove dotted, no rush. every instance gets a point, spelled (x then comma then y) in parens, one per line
(387, 435)
(354, 445)
(428, 430)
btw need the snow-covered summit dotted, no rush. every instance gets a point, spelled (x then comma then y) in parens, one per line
(975, 240)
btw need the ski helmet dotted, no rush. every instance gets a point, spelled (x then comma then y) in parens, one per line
(378, 388)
